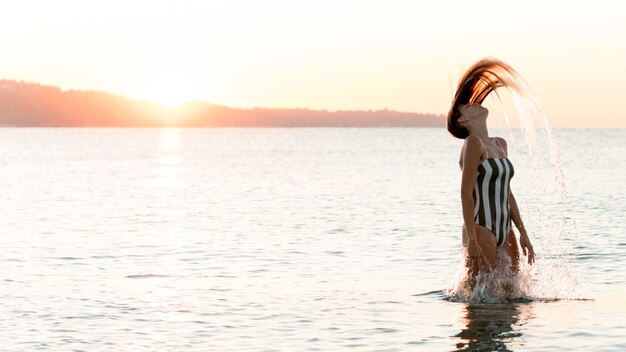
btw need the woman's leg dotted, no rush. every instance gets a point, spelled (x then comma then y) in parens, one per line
(512, 249)
(487, 242)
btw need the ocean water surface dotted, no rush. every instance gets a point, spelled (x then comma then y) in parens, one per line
(278, 239)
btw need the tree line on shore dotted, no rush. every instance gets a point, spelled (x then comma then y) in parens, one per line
(24, 104)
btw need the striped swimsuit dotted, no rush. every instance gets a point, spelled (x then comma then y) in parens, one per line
(491, 196)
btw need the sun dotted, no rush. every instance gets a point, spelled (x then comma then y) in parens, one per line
(169, 90)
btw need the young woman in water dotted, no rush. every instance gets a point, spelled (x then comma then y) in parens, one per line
(487, 201)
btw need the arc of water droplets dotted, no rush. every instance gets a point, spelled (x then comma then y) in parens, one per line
(554, 278)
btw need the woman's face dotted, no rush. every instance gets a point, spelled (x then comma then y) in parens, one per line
(471, 113)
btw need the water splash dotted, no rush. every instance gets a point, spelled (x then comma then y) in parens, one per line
(496, 286)
(552, 229)
(546, 217)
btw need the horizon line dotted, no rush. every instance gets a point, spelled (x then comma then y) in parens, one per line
(63, 90)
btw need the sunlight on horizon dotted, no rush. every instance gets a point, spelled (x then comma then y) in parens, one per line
(327, 55)
(170, 90)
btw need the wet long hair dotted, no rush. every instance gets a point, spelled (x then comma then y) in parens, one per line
(482, 78)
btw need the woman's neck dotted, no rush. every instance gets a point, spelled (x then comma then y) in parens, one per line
(480, 132)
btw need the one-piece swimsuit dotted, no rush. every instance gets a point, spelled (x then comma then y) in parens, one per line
(491, 196)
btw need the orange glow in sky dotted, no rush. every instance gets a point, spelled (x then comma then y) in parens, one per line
(400, 55)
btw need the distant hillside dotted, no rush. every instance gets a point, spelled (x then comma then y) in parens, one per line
(31, 104)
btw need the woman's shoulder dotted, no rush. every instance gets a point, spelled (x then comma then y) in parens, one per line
(472, 139)
(502, 142)
(472, 146)
(472, 142)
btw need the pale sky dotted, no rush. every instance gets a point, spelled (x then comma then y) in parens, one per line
(335, 55)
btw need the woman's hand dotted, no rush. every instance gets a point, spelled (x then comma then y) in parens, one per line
(527, 247)
(476, 255)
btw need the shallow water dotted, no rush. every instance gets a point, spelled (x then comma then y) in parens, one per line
(284, 239)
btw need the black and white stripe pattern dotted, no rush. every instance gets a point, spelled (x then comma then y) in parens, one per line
(491, 197)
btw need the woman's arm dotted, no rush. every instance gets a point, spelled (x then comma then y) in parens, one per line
(514, 210)
(471, 158)
(527, 247)
(515, 215)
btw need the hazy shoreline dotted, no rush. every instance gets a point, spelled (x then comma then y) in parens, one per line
(24, 104)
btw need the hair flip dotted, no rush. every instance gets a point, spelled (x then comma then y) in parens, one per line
(482, 78)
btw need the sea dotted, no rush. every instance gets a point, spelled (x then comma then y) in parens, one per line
(298, 239)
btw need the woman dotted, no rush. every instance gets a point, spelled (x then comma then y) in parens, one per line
(487, 201)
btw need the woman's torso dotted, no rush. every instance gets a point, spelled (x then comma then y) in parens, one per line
(491, 194)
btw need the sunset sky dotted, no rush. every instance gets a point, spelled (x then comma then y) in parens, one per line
(335, 55)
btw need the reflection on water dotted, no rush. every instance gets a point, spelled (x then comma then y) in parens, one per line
(489, 327)
(278, 239)
(170, 170)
